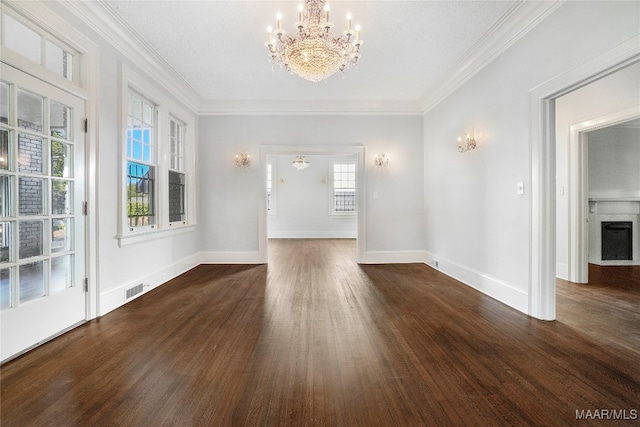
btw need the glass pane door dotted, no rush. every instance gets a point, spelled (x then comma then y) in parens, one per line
(41, 223)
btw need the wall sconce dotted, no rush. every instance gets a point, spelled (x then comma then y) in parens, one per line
(469, 143)
(381, 160)
(243, 160)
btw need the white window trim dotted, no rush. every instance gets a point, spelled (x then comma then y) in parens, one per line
(40, 21)
(173, 117)
(165, 109)
(152, 162)
(274, 186)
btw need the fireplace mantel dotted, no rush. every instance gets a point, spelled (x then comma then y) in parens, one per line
(603, 208)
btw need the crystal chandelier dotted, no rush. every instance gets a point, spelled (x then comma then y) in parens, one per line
(313, 52)
(300, 163)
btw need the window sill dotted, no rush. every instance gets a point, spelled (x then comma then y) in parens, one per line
(148, 235)
(343, 214)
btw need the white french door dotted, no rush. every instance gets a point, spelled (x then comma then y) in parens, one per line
(42, 225)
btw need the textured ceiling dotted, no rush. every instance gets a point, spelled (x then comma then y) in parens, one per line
(218, 46)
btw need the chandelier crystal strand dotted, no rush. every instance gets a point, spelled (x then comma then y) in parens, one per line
(313, 52)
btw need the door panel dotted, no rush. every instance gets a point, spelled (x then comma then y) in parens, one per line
(42, 257)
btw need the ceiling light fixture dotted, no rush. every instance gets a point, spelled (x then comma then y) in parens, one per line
(300, 163)
(313, 52)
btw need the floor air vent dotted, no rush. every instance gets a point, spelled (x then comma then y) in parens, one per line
(133, 291)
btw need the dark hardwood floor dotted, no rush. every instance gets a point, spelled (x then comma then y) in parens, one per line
(607, 309)
(315, 339)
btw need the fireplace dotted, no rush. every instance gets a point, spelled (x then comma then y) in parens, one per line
(617, 240)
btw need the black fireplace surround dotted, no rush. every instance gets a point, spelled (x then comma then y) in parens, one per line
(617, 237)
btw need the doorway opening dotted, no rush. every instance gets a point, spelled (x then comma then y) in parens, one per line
(599, 294)
(281, 179)
(603, 183)
(542, 274)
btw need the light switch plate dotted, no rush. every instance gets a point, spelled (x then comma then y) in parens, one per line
(520, 187)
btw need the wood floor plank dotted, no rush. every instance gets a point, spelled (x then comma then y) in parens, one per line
(315, 339)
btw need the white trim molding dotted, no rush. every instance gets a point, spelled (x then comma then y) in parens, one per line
(100, 16)
(215, 257)
(519, 19)
(578, 191)
(306, 108)
(542, 275)
(496, 289)
(516, 22)
(357, 150)
(88, 88)
(311, 234)
(395, 257)
(115, 297)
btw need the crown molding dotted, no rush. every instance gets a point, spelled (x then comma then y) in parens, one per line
(99, 16)
(513, 25)
(377, 107)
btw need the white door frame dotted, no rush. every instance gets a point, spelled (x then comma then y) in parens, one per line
(357, 150)
(578, 189)
(87, 88)
(542, 251)
(33, 322)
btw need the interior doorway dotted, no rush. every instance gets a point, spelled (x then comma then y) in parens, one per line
(542, 273)
(355, 154)
(598, 297)
(608, 192)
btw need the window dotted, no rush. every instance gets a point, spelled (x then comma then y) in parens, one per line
(39, 47)
(177, 194)
(157, 159)
(141, 167)
(344, 187)
(269, 181)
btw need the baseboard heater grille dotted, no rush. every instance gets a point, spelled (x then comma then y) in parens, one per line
(133, 291)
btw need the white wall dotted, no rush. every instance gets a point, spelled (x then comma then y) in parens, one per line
(303, 201)
(614, 161)
(477, 227)
(153, 262)
(613, 93)
(230, 195)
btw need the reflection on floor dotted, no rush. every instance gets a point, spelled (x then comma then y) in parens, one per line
(607, 309)
(311, 339)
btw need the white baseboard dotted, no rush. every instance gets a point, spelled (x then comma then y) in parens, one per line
(488, 285)
(562, 270)
(229, 258)
(115, 298)
(276, 234)
(394, 257)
